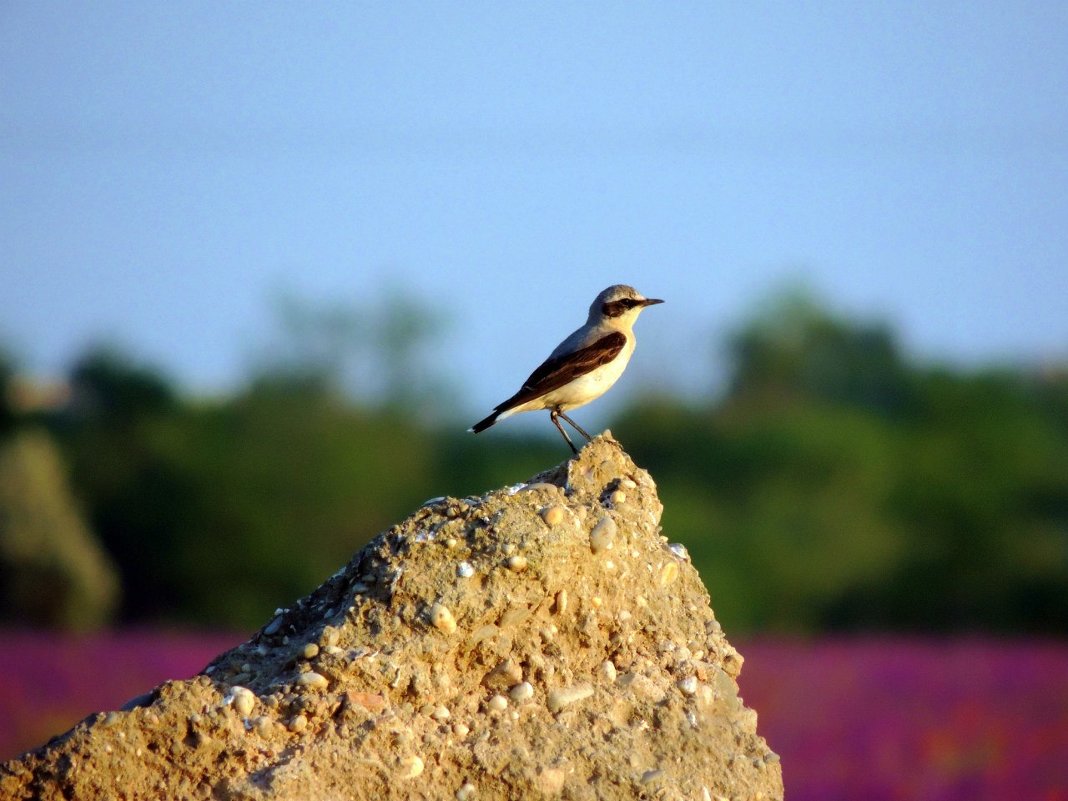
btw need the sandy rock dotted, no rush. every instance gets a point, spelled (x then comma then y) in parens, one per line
(614, 678)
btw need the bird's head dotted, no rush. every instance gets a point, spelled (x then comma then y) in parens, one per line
(620, 302)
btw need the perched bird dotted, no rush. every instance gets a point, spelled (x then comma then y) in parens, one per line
(583, 366)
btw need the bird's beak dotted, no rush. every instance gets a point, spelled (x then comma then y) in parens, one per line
(651, 301)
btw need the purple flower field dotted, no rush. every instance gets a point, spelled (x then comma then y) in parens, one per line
(874, 718)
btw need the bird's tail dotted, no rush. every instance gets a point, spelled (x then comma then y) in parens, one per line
(482, 425)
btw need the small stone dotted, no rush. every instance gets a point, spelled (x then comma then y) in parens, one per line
(243, 700)
(651, 775)
(618, 497)
(560, 605)
(628, 484)
(517, 564)
(565, 696)
(603, 534)
(451, 542)
(507, 674)
(521, 692)
(460, 729)
(263, 725)
(312, 680)
(310, 650)
(330, 636)
(410, 767)
(608, 670)
(465, 570)
(596, 601)
(668, 573)
(441, 713)
(273, 627)
(297, 723)
(688, 685)
(497, 703)
(680, 551)
(552, 515)
(441, 618)
(467, 792)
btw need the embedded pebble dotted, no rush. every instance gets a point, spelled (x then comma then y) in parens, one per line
(297, 723)
(441, 713)
(506, 674)
(521, 692)
(680, 551)
(243, 700)
(330, 636)
(313, 680)
(618, 497)
(668, 573)
(310, 650)
(560, 606)
(451, 543)
(565, 696)
(497, 703)
(688, 685)
(602, 535)
(608, 670)
(552, 515)
(517, 564)
(465, 570)
(410, 767)
(274, 626)
(263, 725)
(441, 618)
(628, 484)
(466, 792)
(651, 775)
(460, 729)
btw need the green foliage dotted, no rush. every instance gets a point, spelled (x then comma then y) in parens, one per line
(836, 484)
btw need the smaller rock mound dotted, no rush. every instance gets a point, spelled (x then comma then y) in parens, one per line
(542, 640)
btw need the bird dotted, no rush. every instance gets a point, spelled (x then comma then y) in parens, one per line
(582, 367)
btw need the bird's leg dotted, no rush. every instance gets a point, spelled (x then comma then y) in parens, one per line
(552, 416)
(577, 427)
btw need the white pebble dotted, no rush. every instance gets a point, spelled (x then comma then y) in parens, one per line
(497, 703)
(310, 650)
(460, 729)
(313, 680)
(561, 602)
(679, 550)
(608, 670)
(410, 767)
(565, 696)
(243, 700)
(521, 692)
(465, 570)
(517, 564)
(602, 535)
(441, 618)
(441, 713)
(297, 723)
(688, 685)
(466, 792)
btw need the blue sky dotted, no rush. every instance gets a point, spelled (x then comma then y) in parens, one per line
(165, 167)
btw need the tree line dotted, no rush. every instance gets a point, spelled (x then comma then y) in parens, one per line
(834, 483)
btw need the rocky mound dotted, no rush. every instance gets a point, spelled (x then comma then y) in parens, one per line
(542, 640)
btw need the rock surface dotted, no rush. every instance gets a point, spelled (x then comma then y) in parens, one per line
(539, 641)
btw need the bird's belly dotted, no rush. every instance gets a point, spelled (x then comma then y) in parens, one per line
(588, 387)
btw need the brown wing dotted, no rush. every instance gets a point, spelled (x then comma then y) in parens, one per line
(555, 372)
